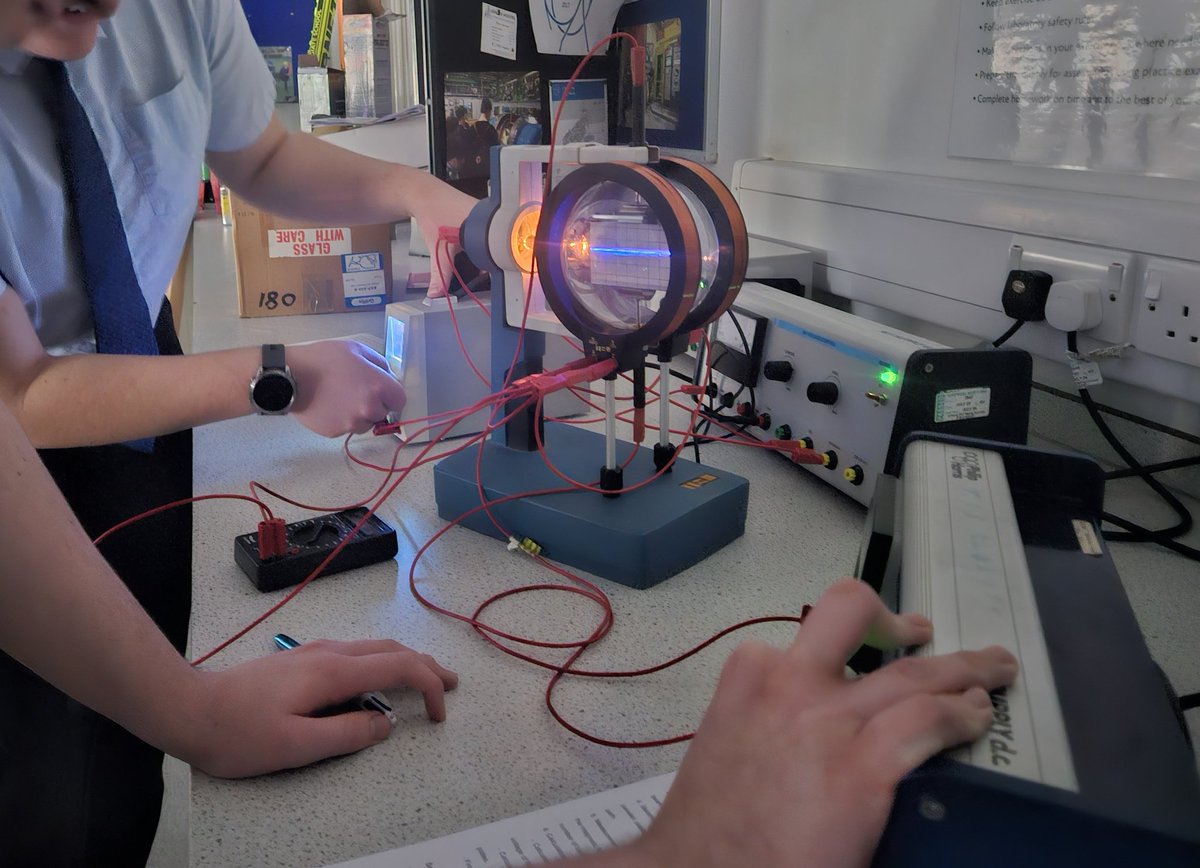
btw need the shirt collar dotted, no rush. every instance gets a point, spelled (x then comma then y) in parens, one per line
(14, 60)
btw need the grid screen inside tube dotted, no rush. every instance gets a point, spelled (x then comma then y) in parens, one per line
(627, 255)
(615, 256)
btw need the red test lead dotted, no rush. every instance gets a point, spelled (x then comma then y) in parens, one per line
(581, 371)
(796, 451)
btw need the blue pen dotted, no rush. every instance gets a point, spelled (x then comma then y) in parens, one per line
(368, 701)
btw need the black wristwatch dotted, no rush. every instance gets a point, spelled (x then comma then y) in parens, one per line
(272, 390)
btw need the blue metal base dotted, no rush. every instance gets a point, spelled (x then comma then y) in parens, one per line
(637, 539)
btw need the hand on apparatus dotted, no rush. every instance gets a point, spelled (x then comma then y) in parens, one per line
(795, 762)
(444, 206)
(257, 717)
(342, 387)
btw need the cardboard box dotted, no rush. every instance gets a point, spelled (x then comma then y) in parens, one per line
(368, 65)
(289, 267)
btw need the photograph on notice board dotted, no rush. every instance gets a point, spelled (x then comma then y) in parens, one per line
(664, 63)
(279, 61)
(485, 109)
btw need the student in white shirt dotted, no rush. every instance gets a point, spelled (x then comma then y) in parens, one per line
(163, 86)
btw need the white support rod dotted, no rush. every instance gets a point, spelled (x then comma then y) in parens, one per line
(664, 403)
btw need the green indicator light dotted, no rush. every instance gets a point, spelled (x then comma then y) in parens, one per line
(888, 377)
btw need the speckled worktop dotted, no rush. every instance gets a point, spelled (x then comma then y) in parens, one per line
(500, 753)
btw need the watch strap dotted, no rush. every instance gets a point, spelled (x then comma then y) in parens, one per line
(273, 357)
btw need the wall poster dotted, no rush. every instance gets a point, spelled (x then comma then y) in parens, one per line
(1110, 87)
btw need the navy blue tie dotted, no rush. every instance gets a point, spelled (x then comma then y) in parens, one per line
(119, 312)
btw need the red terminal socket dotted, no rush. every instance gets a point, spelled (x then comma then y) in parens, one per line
(272, 538)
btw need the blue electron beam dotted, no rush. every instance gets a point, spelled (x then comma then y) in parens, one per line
(628, 251)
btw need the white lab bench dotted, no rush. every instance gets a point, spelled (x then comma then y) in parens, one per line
(500, 753)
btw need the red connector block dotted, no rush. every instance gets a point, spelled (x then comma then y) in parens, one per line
(581, 371)
(795, 450)
(272, 538)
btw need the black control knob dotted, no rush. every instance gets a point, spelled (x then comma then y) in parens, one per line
(824, 392)
(780, 372)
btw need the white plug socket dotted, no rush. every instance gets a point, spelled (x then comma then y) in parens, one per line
(1068, 262)
(1168, 318)
(1075, 305)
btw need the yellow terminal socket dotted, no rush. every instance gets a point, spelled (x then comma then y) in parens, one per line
(806, 442)
(853, 474)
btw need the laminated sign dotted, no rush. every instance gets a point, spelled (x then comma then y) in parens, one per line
(362, 279)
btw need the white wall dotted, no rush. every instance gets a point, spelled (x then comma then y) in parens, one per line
(868, 84)
(738, 111)
(865, 86)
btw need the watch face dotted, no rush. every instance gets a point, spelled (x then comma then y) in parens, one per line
(273, 392)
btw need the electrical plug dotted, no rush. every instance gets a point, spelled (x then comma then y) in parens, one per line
(1075, 305)
(1024, 296)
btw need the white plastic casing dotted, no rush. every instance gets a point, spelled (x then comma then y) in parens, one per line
(823, 344)
(521, 184)
(1075, 305)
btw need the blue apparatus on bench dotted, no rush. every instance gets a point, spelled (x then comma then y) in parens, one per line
(629, 253)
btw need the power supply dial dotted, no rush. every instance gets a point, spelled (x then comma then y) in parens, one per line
(824, 392)
(780, 372)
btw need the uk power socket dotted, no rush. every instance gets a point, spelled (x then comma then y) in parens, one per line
(1168, 316)
(1068, 261)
